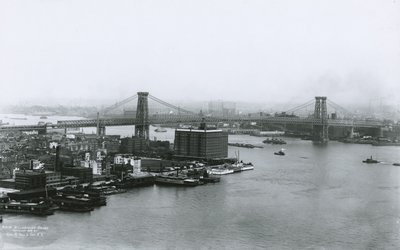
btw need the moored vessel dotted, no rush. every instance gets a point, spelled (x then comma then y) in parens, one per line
(247, 166)
(136, 180)
(220, 170)
(176, 181)
(73, 203)
(25, 207)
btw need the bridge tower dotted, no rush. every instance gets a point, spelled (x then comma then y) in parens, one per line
(142, 116)
(320, 124)
(100, 129)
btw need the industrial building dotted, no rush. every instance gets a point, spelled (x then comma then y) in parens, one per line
(201, 143)
(85, 175)
(30, 180)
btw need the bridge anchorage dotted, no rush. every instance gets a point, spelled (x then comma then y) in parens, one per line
(320, 121)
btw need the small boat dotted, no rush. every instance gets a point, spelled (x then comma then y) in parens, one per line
(280, 152)
(247, 166)
(160, 130)
(43, 117)
(396, 164)
(370, 160)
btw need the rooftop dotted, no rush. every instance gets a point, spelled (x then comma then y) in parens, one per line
(200, 130)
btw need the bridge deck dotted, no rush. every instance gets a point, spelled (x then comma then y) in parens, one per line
(175, 119)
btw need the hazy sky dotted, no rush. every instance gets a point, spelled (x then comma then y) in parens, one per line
(66, 51)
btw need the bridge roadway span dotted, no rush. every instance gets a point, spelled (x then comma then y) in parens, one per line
(171, 119)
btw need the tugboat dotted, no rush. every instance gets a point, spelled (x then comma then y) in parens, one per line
(370, 160)
(280, 152)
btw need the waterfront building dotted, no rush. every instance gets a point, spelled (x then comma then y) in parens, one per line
(29, 180)
(201, 143)
(85, 175)
(55, 179)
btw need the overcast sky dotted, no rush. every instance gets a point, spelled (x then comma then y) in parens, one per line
(66, 51)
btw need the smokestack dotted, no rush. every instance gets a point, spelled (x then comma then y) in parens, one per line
(31, 165)
(57, 163)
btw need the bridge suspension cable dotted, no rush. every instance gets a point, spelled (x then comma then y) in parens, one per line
(170, 105)
(118, 104)
(338, 107)
(304, 105)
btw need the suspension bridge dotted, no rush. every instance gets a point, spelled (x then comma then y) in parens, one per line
(318, 118)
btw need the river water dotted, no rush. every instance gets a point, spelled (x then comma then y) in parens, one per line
(314, 197)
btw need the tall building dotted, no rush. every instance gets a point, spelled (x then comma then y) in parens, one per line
(199, 143)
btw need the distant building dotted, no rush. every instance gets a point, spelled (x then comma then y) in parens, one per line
(218, 108)
(201, 143)
(133, 145)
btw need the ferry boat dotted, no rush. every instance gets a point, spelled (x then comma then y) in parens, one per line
(136, 180)
(96, 199)
(176, 181)
(106, 190)
(25, 207)
(73, 203)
